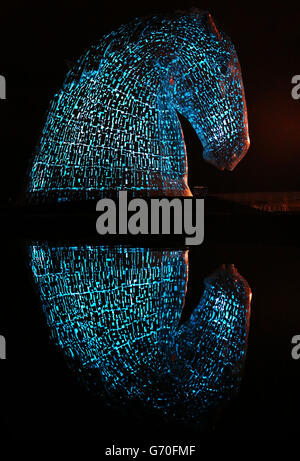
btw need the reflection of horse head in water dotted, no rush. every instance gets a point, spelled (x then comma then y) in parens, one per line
(116, 313)
(114, 124)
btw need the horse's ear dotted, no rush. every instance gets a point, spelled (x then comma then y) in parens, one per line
(209, 25)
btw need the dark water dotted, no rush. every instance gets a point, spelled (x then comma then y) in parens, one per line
(46, 400)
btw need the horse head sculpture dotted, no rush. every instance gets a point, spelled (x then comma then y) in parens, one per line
(116, 314)
(114, 125)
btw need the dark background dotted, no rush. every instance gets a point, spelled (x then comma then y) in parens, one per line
(39, 39)
(44, 400)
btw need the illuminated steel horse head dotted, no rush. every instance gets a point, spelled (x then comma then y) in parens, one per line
(114, 124)
(119, 321)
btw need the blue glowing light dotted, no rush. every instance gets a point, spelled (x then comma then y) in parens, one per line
(114, 125)
(115, 313)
